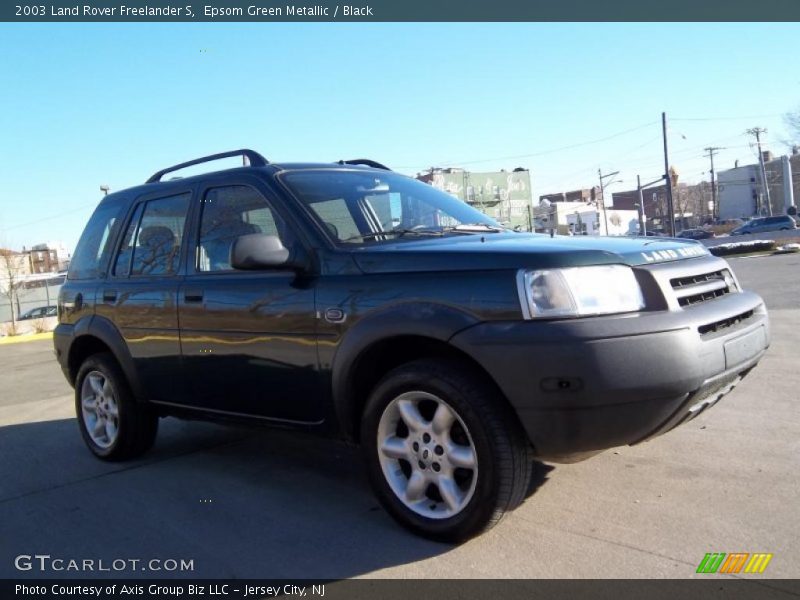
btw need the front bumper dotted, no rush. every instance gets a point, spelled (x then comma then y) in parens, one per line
(580, 386)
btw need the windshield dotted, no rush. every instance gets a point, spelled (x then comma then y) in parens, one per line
(357, 207)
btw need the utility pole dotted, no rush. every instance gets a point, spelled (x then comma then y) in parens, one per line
(640, 189)
(642, 230)
(603, 194)
(667, 177)
(757, 131)
(715, 207)
(603, 199)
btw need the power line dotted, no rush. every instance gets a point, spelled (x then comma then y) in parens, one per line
(542, 152)
(50, 218)
(557, 182)
(725, 118)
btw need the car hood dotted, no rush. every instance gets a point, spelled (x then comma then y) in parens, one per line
(519, 250)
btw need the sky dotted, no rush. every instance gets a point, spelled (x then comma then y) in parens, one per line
(85, 105)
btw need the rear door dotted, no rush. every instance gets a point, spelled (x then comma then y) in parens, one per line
(141, 294)
(248, 337)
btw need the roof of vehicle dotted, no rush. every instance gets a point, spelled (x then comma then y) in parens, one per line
(295, 166)
(271, 168)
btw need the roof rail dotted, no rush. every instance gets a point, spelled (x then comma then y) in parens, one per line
(366, 162)
(253, 157)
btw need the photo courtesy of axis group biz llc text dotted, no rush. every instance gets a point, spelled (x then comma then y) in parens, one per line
(389, 300)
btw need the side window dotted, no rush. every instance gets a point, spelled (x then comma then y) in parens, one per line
(337, 218)
(228, 213)
(122, 267)
(388, 209)
(152, 244)
(96, 241)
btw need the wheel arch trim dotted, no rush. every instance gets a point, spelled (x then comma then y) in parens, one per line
(435, 322)
(104, 331)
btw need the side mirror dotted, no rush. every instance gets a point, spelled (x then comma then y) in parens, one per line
(260, 251)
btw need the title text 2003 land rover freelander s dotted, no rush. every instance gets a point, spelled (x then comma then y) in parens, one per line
(347, 299)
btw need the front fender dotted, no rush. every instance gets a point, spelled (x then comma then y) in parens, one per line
(407, 319)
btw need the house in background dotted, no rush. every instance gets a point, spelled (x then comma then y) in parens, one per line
(742, 191)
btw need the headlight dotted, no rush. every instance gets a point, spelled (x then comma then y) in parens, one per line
(730, 281)
(579, 291)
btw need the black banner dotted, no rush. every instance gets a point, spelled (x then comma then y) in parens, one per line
(365, 589)
(399, 10)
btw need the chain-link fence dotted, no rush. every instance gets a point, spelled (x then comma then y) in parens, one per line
(32, 294)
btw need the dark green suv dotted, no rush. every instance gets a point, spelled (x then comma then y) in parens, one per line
(350, 300)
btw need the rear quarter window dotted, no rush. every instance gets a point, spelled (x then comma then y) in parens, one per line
(96, 241)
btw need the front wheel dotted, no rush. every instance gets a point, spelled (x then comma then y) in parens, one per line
(113, 424)
(445, 454)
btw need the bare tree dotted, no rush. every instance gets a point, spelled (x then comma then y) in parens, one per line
(691, 200)
(12, 272)
(792, 121)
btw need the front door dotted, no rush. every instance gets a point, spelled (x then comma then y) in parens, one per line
(248, 337)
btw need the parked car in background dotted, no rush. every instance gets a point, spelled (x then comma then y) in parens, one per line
(724, 226)
(696, 234)
(648, 233)
(40, 312)
(762, 224)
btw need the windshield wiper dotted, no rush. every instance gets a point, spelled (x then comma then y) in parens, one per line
(475, 228)
(460, 228)
(394, 232)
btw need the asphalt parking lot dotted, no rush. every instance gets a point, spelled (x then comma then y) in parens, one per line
(244, 503)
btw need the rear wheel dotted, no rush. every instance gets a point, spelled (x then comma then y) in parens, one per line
(445, 454)
(113, 425)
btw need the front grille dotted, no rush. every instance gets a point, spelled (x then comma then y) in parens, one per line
(724, 323)
(695, 289)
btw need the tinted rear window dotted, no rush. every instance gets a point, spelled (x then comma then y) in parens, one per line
(96, 241)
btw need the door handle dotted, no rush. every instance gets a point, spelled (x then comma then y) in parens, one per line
(109, 295)
(193, 295)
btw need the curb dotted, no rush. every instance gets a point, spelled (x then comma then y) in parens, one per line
(28, 337)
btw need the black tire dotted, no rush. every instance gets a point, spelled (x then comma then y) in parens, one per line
(504, 456)
(137, 423)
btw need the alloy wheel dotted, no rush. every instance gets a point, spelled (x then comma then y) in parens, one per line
(427, 455)
(99, 409)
